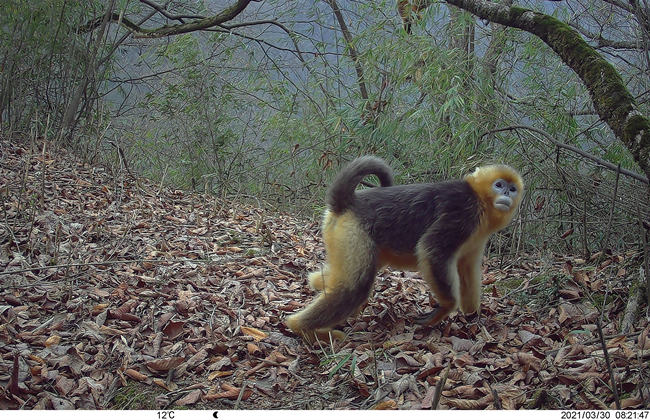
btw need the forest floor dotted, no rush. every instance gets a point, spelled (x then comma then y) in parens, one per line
(120, 293)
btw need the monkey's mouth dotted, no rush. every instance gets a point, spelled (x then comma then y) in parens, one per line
(503, 203)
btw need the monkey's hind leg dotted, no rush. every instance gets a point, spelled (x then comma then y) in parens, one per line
(331, 306)
(345, 282)
(318, 280)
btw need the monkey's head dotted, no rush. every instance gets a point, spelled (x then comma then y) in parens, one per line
(500, 189)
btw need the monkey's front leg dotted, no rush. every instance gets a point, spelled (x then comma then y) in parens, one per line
(442, 276)
(468, 272)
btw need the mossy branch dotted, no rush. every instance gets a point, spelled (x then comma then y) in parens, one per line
(611, 99)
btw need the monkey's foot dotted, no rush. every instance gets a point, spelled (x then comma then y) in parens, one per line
(433, 317)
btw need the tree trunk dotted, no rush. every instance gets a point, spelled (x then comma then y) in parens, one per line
(69, 119)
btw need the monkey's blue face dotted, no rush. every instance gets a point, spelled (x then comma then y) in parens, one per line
(505, 193)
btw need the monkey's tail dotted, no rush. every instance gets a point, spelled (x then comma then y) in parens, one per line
(334, 306)
(340, 195)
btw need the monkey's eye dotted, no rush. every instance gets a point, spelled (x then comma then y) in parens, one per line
(498, 184)
(513, 189)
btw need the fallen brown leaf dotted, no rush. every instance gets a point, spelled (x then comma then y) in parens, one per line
(253, 349)
(190, 398)
(480, 404)
(124, 316)
(99, 308)
(52, 341)
(134, 374)
(255, 333)
(168, 386)
(528, 361)
(173, 329)
(219, 374)
(230, 392)
(64, 385)
(386, 405)
(165, 364)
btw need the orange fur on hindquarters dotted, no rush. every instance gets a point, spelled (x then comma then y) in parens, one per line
(344, 283)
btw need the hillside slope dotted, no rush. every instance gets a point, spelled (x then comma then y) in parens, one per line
(120, 293)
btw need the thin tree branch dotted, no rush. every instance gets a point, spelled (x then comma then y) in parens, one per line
(628, 8)
(347, 36)
(574, 149)
(604, 42)
(168, 30)
(298, 52)
(608, 363)
(160, 9)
